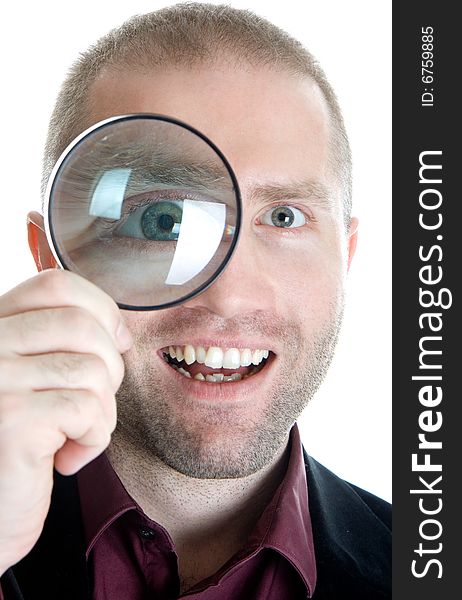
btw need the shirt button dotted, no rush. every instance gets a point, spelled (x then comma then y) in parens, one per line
(147, 533)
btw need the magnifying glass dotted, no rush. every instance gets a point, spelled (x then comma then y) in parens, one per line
(146, 207)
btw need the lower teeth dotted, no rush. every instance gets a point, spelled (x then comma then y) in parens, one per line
(183, 372)
(217, 378)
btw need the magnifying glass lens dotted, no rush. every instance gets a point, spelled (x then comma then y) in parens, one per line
(145, 207)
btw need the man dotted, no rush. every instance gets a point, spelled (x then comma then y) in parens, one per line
(203, 489)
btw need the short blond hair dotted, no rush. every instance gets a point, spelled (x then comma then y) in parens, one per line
(186, 35)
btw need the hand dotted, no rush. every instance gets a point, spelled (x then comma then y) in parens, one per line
(61, 340)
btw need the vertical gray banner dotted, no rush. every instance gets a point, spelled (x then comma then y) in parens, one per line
(426, 296)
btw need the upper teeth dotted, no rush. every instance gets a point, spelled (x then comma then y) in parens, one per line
(217, 358)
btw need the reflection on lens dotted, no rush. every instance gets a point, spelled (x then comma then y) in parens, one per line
(146, 208)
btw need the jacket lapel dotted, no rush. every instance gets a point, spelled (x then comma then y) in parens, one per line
(352, 538)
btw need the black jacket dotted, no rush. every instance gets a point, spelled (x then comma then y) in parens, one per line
(351, 530)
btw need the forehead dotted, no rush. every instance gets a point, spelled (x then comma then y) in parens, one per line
(273, 127)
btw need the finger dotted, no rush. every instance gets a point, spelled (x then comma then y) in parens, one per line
(68, 330)
(51, 417)
(60, 288)
(53, 371)
(73, 456)
(60, 370)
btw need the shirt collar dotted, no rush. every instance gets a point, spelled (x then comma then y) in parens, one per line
(103, 498)
(284, 526)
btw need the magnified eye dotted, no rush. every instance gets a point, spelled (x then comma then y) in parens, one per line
(159, 221)
(284, 216)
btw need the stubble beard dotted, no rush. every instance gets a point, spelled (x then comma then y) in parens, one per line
(243, 447)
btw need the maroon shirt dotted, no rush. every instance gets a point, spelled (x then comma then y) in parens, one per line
(131, 556)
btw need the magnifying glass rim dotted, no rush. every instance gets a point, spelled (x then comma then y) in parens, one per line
(131, 117)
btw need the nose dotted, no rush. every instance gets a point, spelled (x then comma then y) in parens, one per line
(245, 286)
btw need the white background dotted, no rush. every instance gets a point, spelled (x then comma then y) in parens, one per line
(348, 425)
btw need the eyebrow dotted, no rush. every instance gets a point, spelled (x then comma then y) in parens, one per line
(152, 166)
(149, 168)
(314, 193)
(199, 175)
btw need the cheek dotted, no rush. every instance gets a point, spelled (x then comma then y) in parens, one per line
(144, 343)
(309, 279)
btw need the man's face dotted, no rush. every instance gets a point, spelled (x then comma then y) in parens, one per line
(282, 291)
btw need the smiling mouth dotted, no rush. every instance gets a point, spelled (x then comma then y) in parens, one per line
(214, 364)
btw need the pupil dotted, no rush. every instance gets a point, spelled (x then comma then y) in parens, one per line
(161, 221)
(166, 222)
(283, 216)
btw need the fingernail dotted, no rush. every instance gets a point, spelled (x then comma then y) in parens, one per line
(124, 337)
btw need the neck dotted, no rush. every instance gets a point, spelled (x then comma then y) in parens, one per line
(208, 520)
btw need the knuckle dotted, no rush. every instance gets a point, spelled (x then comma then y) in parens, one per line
(95, 374)
(67, 400)
(77, 405)
(98, 363)
(26, 322)
(82, 326)
(81, 403)
(61, 285)
(55, 283)
(78, 320)
(65, 365)
(70, 367)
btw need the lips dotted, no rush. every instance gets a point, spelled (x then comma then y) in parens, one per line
(214, 364)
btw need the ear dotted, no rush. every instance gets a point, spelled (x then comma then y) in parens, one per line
(352, 239)
(38, 243)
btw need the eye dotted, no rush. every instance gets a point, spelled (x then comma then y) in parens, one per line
(284, 216)
(159, 221)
